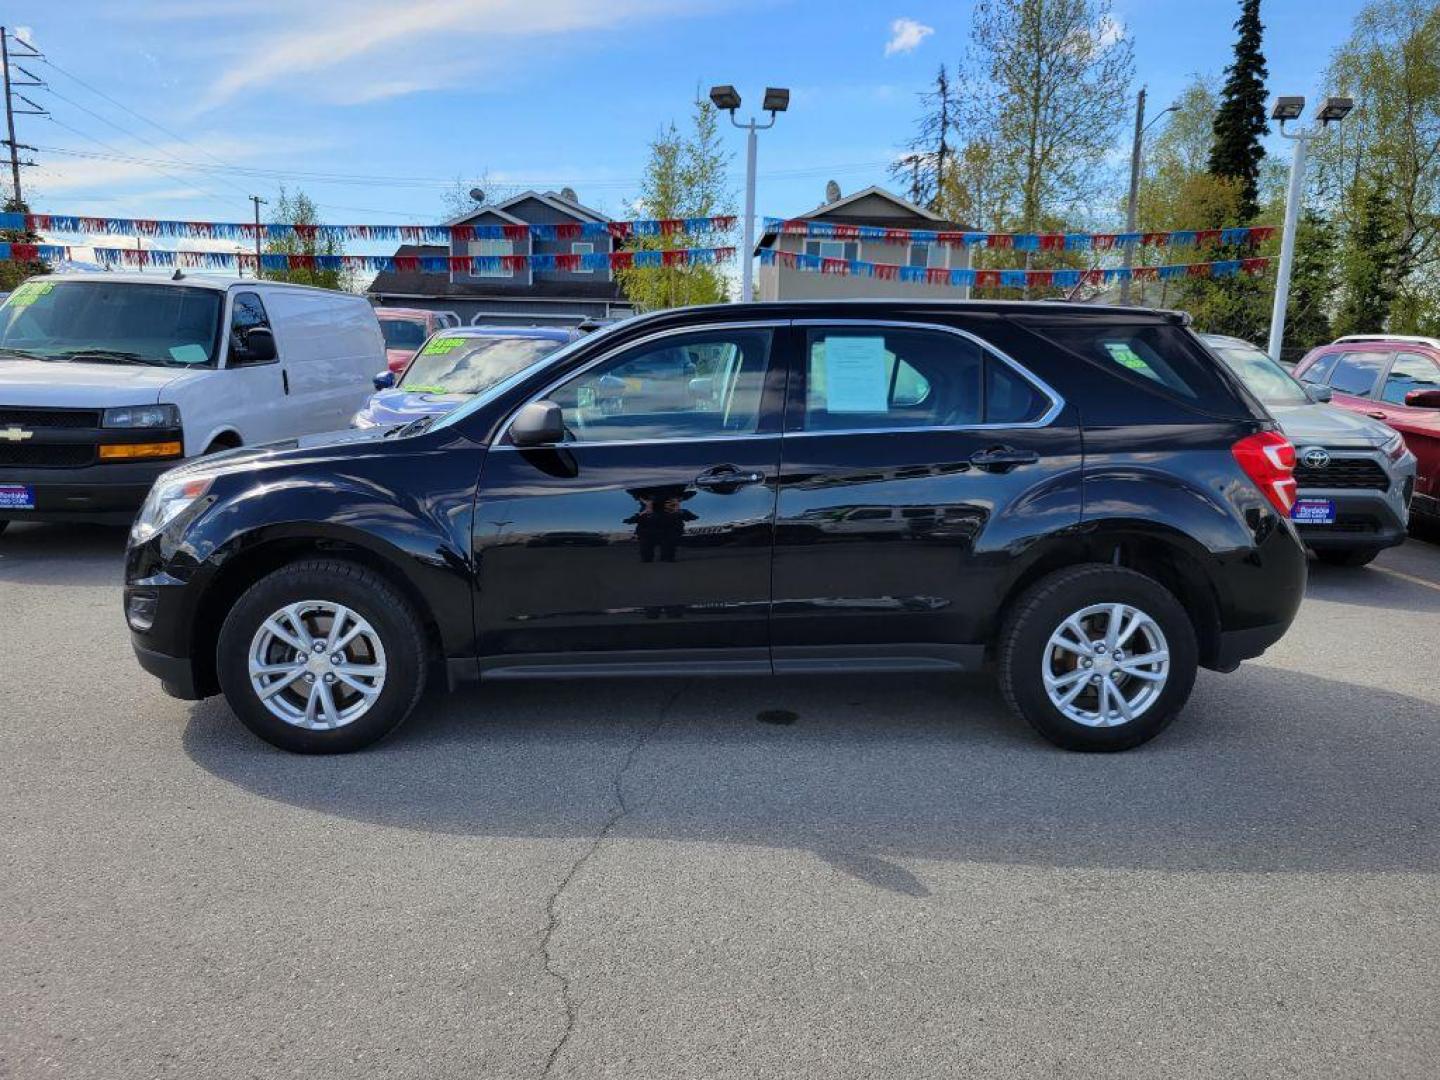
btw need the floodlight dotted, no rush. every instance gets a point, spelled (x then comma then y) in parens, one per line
(1287, 108)
(777, 99)
(1335, 109)
(725, 97)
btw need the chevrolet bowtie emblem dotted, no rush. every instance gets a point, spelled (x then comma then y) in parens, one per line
(15, 434)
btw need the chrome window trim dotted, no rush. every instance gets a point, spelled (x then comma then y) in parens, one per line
(759, 324)
(1057, 403)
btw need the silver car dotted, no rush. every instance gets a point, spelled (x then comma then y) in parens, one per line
(1354, 473)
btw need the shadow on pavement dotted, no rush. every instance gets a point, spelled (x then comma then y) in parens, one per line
(1269, 770)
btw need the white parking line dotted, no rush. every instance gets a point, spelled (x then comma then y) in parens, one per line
(1408, 577)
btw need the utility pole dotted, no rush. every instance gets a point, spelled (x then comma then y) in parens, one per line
(1132, 206)
(11, 111)
(258, 201)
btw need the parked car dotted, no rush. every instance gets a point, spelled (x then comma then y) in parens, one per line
(407, 329)
(1354, 474)
(1116, 505)
(452, 367)
(109, 379)
(1396, 379)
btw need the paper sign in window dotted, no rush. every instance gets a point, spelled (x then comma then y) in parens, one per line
(189, 354)
(856, 380)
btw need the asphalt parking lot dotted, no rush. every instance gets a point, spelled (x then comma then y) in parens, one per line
(645, 880)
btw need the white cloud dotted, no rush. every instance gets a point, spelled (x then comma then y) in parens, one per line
(396, 49)
(25, 34)
(1112, 30)
(906, 35)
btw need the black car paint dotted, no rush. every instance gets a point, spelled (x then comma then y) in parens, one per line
(577, 582)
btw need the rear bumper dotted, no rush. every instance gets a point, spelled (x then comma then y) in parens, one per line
(1238, 645)
(100, 494)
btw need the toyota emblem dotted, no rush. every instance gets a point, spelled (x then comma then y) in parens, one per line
(1315, 457)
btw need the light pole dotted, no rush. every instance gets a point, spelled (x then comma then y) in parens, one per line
(1332, 110)
(1132, 207)
(777, 100)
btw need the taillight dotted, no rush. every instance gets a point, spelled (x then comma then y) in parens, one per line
(1268, 459)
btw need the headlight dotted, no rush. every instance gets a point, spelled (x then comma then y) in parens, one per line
(1394, 446)
(167, 500)
(142, 416)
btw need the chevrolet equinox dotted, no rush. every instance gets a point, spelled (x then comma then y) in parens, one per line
(1082, 497)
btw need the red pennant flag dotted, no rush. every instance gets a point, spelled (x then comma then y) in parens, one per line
(25, 252)
(1260, 233)
(515, 232)
(302, 262)
(1253, 266)
(619, 229)
(407, 264)
(462, 234)
(954, 239)
(567, 230)
(306, 232)
(937, 275)
(724, 253)
(987, 279)
(835, 266)
(887, 271)
(569, 263)
(897, 236)
(1102, 241)
(1155, 239)
(671, 226)
(1207, 237)
(460, 263)
(1052, 242)
(999, 240)
(512, 263)
(1198, 270)
(1042, 277)
(847, 232)
(1145, 273)
(622, 260)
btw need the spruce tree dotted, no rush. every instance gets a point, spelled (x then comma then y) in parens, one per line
(1368, 279)
(1240, 121)
(1307, 322)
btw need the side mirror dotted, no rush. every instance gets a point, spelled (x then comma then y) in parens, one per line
(384, 380)
(259, 345)
(1423, 399)
(541, 423)
(1317, 393)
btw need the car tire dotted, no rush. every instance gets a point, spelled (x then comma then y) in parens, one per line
(1087, 597)
(323, 706)
(1347, 556)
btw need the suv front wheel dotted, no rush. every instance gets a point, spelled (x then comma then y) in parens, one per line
(1097, 658)
(322, 656)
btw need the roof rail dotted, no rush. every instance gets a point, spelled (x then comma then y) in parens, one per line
(1415, 338)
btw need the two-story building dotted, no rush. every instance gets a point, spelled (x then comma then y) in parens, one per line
(525, 297)
(873, 206)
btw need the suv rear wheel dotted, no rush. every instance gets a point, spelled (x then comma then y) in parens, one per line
(322, 656)
(1097, 658)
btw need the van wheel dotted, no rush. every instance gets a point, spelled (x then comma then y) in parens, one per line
(322, 657)
(1097, 658)
(1347, 556)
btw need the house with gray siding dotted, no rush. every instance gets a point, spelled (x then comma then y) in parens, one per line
(523, 297)
(872, 206)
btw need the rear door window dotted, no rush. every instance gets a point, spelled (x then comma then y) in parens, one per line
(1357, 372)
(1161, 356)
(1411, 372)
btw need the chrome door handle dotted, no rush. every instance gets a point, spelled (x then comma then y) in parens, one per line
(727, 476)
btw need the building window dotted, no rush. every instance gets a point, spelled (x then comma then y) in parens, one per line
(582, 247)
(934, 256)
(492, 247)
(832, 249)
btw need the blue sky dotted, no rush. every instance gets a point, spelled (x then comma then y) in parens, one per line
(391, 99)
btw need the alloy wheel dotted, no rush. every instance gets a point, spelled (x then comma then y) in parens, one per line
(1105, 665)
(317, 665)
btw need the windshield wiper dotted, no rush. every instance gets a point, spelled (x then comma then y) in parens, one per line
(7, 351)
(110, 356)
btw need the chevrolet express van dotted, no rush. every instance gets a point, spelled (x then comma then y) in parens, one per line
(107, 380)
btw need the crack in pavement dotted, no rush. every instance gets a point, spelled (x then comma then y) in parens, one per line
(622, 808)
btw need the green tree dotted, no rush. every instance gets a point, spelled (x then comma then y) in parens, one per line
(1369, 266)
(685, 177)
(1312, 283)
(1390, 66)
(299, 209)
(1240, 121)
(11, 271)
(1047, 83)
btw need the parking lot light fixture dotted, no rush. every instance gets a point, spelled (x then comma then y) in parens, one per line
(1332, 111)
(1287, 108)
(777, 100)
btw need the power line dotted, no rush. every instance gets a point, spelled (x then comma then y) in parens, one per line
(119, 156)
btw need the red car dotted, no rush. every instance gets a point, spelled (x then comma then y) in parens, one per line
(406, 329)
(1395, 379)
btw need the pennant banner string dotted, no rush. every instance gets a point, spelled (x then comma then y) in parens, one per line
(826, 230)
(423, 264)
(1019, 279)
(87, 225)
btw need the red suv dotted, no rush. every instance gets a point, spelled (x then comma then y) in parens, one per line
(1395, 379)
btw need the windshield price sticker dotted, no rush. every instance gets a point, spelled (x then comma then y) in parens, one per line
(30, 291)
(442, 345)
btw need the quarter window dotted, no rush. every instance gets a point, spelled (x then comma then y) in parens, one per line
(1356, 373)
(1411, 372)
(699, 386)
(880, 377)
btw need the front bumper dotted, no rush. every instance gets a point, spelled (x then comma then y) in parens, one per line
(1363, 519)
(107, 494)
(176, 673)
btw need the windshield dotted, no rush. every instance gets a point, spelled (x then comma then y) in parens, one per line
(1266, 379)
(490, 393)
(468, 365)
(113, 322)
(402, 333)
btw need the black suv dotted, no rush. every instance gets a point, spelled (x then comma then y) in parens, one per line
(1081, 495)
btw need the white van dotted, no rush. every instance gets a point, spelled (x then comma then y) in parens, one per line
(106, 380)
